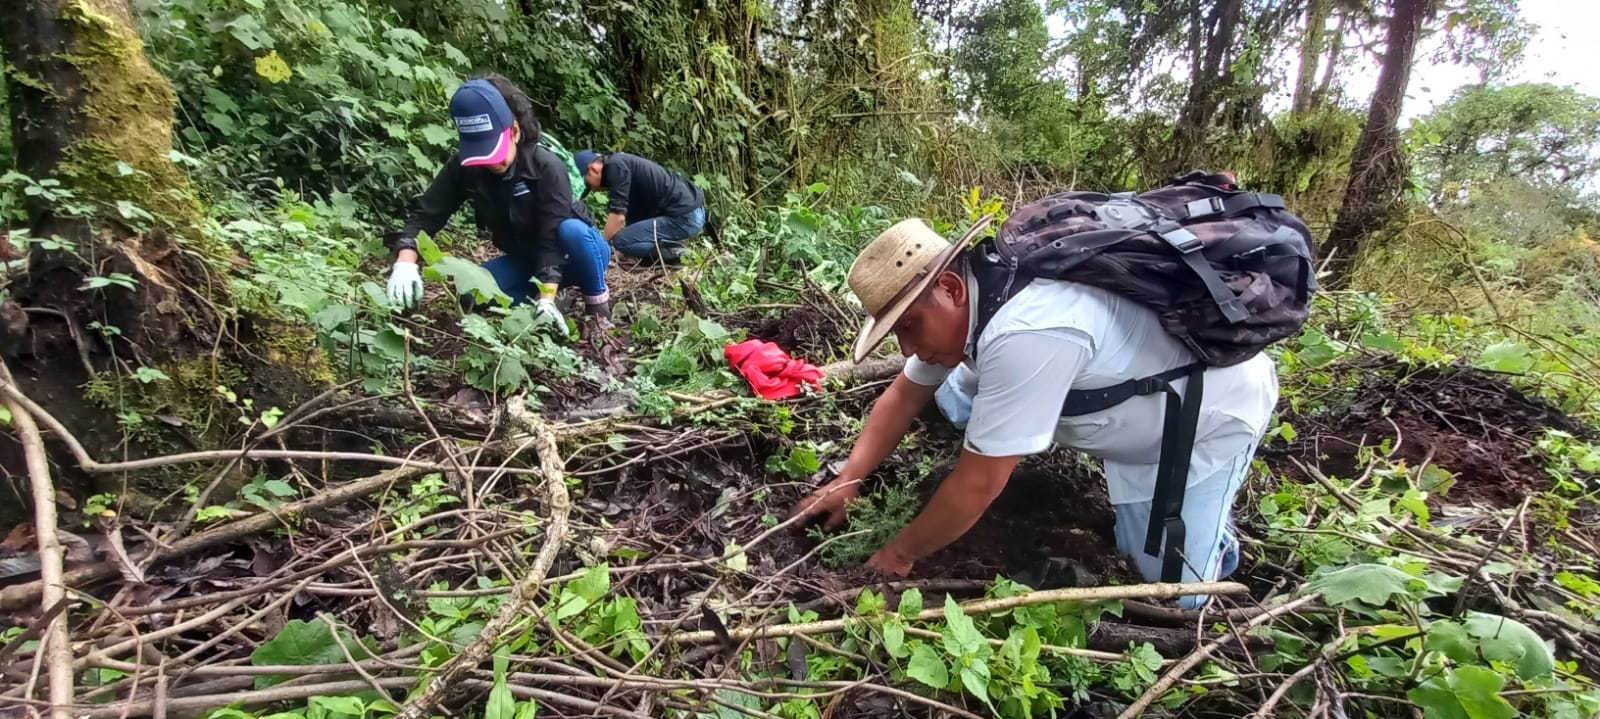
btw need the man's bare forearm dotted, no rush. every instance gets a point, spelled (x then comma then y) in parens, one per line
(886, 425)
(614, 222)
(960, 500)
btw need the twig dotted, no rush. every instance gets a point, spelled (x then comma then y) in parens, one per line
(528, 587)
(333, 631)
(1203, 653)
(550, 697)
(21, 595)
(1092, 654)
(56, 639)
(247, 698)
(1505, 530)
(986, 606)
(1322, 659)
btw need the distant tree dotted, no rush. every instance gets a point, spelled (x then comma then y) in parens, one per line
(1536, 132)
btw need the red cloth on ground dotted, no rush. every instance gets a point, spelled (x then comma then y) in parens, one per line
(771, 372)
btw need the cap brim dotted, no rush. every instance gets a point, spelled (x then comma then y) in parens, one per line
(877, 329)
(485, 151)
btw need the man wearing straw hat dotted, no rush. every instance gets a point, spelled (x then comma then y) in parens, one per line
(1007, 387)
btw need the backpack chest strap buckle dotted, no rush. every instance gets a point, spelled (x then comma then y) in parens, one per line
(1203, 207)
(1181, 239)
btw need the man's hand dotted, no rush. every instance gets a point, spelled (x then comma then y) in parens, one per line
(405, 283)
(890, 561)
(831, 500)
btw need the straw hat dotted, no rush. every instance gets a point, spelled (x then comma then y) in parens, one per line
(893, 271)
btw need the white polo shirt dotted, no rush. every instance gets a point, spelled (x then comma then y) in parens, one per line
(1054, 336)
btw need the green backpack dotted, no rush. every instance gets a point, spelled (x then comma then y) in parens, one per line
(553, 145)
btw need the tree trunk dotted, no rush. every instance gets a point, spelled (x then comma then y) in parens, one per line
(1335, 47)
(1207, 78)
(89, 111)
(1311, 40)
(1377, 167)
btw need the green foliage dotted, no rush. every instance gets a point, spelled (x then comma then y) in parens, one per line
(878, 516)
(302, 642)
(1532, 131)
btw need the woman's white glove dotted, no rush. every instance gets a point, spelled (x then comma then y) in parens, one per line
(405, 284)
(545, 309)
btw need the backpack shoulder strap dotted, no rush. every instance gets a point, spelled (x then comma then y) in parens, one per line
(998, 280)
(1179, 425)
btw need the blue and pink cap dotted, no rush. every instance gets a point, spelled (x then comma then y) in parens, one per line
(484, 121)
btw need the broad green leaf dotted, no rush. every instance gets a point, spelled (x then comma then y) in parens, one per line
(735, 698)
(1416, 503)
(279, 488)
(976, 680)
(911, 603)
(1468, 692)
(302, 642)
(961, 637)
(501, 704)
(1508, 640)
(734, 556)
(1506, 356)
(926, 667)
(438, 135)
(1451, 639)
(469, 279)
(346, 705)
(894, 638)
(1373, 584)
(594, 583)
(428, 249)
(870, 602)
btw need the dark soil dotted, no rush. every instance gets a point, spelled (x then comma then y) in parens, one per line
(1474, 424)
(802, 332)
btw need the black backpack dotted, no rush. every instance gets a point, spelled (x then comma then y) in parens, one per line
(1227, 271)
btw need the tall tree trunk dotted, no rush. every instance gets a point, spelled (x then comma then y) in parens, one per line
(1335, 46)
(1377, 167)
(1208, 77)
(1311, 39)
(89, 111)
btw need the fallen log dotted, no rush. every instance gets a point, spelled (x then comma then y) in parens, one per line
(984, 606)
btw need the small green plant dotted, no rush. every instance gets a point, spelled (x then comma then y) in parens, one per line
(881, 515)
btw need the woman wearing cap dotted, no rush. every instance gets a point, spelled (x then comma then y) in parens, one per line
(521, 193)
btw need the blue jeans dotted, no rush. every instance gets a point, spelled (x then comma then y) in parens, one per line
(643, 238)
(587, 253)
(1210, 549)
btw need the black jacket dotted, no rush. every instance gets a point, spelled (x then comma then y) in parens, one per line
(522, 209)
(641, 189)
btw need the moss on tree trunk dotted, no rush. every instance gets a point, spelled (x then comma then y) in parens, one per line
(89, 110)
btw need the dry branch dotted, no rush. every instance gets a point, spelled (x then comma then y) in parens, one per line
(986, 606)
(19, 596)
(872, 369)
(1203, 653)
(58, 650)
(527, 589)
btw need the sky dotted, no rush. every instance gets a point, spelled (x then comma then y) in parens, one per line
(1563, 51)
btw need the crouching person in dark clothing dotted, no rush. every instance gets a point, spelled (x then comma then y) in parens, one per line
(522, 193)
(652, 210)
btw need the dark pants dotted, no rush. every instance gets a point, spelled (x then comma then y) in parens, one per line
(587, 258)
(663, 235)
